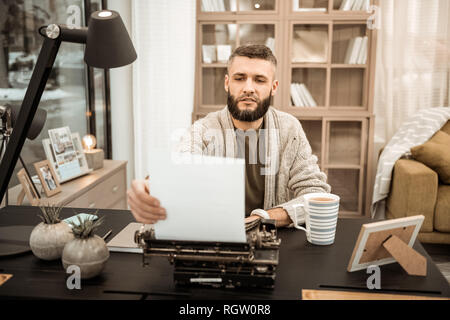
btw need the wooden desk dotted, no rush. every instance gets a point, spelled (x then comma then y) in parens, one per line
(104, 188)
(301, 266)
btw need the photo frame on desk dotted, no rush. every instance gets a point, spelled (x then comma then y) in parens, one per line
(371, 246)
(48, 178)
(27, 187)
(80, 156)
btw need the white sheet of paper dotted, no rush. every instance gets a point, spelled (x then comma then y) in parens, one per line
(204, 197)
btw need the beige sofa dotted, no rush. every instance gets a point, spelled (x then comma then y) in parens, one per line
(416, 189)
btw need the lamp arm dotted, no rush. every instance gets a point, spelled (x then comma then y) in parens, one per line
(64, 33)
(30, 103)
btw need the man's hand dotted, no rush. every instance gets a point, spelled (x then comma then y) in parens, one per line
(252, 218)
(145, 208)
(280, 216)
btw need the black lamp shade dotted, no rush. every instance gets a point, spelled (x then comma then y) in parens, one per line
(108, 44)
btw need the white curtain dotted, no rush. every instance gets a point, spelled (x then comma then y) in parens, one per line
(413, 61)
(163, 74)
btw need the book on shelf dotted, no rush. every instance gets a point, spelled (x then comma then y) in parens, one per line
(311, 10)
(209, 53)
(362, 57)
(309, 99)
(223, 52)
(366, 5)
(357, 51)
(270, 42)
(346, 5)
(205, 6)
(355, 5)
(348, 53)
(213, 5)
(221, 5)
(301, 94)
(296, 101)
(301, 97)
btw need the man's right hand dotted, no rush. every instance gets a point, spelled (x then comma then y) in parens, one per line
(145, 208)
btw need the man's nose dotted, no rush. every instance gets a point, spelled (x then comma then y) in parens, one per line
(249, 86)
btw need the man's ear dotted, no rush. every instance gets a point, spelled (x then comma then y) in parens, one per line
(274, 87)
(227, 80)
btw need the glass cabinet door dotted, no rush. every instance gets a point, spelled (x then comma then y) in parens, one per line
(237, 5)
(310, 43)
(308, 87)
(344, 161)
(346, 5)
(218, 5)
(257, 5)
(218, 41)
(257, 34)
(310, 6)
(346, 184)
(313, 132)
(66, 93)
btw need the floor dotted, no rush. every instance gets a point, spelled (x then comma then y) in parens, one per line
(440, 253)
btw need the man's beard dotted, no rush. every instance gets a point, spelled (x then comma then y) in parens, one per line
(247, 115)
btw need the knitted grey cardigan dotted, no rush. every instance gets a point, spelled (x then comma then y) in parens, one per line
(290, 170)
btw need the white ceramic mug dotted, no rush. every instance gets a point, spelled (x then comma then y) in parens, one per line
(321, 215)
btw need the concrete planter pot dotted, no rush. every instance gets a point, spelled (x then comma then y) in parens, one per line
(47, 241)
(90, 255)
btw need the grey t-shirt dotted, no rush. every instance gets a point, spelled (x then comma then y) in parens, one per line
(249, 143)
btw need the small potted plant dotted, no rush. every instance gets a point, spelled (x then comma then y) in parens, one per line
(47, 240)
(87, 250)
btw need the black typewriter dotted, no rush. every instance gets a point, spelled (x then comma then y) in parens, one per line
(219, 264)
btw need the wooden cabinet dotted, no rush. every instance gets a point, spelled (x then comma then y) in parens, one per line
(104, 188)
(319, 47)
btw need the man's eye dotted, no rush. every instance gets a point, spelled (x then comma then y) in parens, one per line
(238, 79)
(260, 80)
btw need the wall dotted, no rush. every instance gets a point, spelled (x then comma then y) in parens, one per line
(122, 100)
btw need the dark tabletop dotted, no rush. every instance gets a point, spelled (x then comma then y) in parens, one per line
(301, 266)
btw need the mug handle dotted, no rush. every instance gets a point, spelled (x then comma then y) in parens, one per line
(295, 223)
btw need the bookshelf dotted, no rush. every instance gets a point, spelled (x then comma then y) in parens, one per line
(326, 70)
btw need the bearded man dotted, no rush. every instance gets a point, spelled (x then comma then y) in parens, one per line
(280, 166)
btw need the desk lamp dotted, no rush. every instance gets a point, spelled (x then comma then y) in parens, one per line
(108, 45)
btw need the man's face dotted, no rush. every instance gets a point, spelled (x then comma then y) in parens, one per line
(250, 84)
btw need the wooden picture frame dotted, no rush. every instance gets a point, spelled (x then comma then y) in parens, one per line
(48, 178)
(370, 248)
(28, 187)
(49, 153)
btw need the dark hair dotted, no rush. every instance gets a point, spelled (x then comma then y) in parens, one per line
(254, 51)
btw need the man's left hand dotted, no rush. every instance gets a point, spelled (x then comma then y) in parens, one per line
(280, 216)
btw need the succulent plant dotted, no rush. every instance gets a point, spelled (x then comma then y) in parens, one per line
(84, 229)
(50, 214)
(48, 238)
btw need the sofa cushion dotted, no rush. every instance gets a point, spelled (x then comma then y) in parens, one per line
(442, 213)
(435, 153)
(413, 191)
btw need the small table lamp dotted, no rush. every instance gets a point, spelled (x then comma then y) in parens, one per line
(94, 157)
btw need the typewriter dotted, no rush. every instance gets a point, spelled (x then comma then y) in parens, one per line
(219, 264)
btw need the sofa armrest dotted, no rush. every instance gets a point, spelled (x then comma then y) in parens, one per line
(413, 191)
